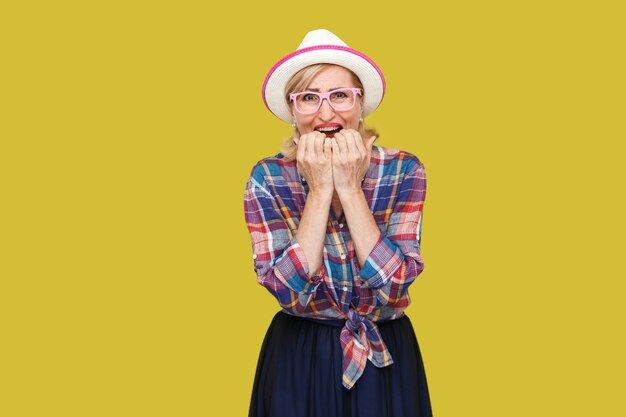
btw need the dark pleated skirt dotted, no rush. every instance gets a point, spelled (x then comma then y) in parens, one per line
(300, 365)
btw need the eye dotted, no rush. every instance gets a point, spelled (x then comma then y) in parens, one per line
(339, 94)
(309, 97)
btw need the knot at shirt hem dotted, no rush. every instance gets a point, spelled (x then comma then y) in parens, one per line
(361, 340)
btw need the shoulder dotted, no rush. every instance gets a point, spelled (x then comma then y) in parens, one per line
(272, 166)
(395, 161)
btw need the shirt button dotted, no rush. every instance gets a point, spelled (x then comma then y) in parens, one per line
(343, 256)
(345, 288)
(254, 256)
(341, 225)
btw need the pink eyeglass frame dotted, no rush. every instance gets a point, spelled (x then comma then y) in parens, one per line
(325, 96)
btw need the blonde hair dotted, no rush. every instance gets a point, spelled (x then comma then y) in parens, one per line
(299, 82)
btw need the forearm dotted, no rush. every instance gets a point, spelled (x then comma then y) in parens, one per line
(394, 260)
(363, 229)
(312, 228)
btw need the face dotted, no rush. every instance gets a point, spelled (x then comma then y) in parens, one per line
(326, 117)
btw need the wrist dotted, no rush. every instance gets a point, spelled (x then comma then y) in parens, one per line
(349, 192)
(321, 195)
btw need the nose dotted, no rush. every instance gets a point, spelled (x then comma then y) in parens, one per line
(326, 112)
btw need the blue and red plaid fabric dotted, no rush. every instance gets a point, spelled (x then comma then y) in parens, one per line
(394, 187)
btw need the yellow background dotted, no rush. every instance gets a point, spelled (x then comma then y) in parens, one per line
(128, 130)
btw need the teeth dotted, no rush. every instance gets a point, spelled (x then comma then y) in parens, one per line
(328, 129)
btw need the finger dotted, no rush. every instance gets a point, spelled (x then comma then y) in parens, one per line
(370, 143)
(351, 142)
(319, 146)
(301, 148)
(359, 143)
(328, 150)
(310, 145)
(335, 148)
(341, 143)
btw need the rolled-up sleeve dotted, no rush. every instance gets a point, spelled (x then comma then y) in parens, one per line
(279, 262)
(395, 260)
(292, 268)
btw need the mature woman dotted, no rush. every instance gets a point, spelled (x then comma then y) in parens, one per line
(335, 227)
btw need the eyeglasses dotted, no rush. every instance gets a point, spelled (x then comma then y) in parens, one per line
(309, 102)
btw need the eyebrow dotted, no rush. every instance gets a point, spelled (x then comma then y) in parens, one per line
(316, 90)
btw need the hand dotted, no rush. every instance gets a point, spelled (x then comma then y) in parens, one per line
(351, 159)
(314, 158)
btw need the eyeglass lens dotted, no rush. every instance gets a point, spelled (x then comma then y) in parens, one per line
(339, 100)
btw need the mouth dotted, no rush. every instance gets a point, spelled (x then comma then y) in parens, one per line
(329, 129)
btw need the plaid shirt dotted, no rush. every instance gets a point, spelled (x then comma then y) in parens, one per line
(394, 188)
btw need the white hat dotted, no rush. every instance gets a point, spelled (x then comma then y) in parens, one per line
(322, 46)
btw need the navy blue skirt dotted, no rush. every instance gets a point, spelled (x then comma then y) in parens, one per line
(299, 373)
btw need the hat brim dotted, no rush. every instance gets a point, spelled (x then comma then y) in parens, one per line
(368, 72)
